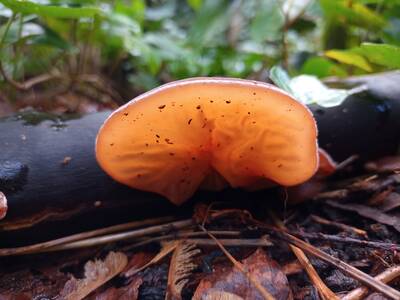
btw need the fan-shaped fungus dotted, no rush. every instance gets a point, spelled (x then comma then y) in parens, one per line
(209, 131)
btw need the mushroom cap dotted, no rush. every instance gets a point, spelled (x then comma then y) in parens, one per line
(176, 137)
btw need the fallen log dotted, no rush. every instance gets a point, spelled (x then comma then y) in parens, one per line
(366, 124)
(48, 171)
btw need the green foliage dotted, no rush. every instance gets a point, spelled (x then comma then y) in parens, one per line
(322, 67)
(381, 54)
(28, 7)
(349, 57)
(309, 89)
(268, 21)
(352, 12)
(143, 43)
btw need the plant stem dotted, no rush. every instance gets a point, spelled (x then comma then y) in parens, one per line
(7, 28)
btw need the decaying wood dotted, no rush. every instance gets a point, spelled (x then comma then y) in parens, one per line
(48, 170)
(49, 173)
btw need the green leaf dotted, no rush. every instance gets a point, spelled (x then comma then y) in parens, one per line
(268, 22)
(350, 58)
(195, 4)
(167, 47)
(322, 67)
(28, 7)
(147, 55)
(53, 39)
(309, 89)
(161, 12)
(144, 81)
(352, 13)
(211, 21)
(381, 54)
(281, 78)
(391, 34)
(136, 10)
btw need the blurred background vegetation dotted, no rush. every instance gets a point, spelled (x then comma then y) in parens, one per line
(83, 56)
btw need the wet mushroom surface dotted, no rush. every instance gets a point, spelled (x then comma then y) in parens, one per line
(209, 132)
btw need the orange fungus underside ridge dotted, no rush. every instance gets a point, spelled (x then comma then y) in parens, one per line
(209, 132)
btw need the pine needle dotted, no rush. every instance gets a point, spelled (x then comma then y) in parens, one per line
(321, 287)
(165, 250)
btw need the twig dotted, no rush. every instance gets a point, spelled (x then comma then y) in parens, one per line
(348, 161)
(386, 276)
(100, 84)
(240, 267)
(334, 238)
(178, 235)
(262, 242)
(323, 290)
(345, 227)
(344, 267)
(30, 82)
(368, 212)
(335, 194)
(87, 239)
(165, 250)
(111, 238)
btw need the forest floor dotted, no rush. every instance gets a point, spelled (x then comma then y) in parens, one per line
(349, 232)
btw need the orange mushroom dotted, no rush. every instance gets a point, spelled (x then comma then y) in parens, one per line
(209, 132)
(327, 166)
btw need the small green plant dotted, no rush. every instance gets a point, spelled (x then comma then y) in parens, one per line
(113, 50)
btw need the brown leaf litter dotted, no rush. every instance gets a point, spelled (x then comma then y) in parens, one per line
(232, 280)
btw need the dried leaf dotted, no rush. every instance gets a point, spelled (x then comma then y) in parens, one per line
(231, 280)
(213, 294)
(379, 198)
(165, 250)
(129, 292)
(391, 202)
(180, 268)
(15, 297)
(96, 274)
(369, 212)
(137, 261)
(3, 205)
(376, 296)
(292, 268)
(385, 164)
